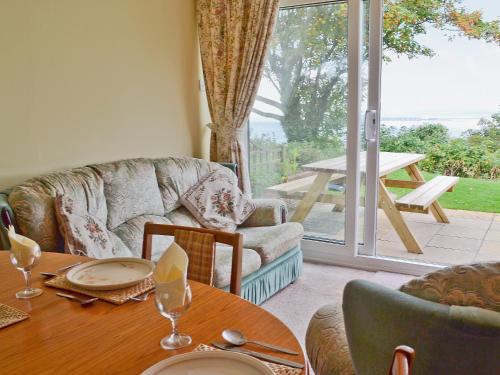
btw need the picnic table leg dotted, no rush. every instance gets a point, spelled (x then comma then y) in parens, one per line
(307, 202)
(435, 208)
(397, 220)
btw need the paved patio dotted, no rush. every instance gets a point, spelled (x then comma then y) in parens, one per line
(470, 236)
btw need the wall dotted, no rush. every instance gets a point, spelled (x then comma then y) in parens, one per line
(85, 81)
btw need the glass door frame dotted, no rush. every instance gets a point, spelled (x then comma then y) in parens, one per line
(351, 253)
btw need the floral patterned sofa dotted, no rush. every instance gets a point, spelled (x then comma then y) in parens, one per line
(128, 193)
(450, 317)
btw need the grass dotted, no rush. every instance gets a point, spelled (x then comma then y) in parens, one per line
(470, 194)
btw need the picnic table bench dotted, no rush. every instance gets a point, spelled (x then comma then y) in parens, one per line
(422, 199)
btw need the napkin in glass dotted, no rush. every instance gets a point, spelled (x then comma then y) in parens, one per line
(170, 276)
(25, 250)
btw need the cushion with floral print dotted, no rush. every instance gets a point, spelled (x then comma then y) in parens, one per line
(85, 234)
(217, 202)
(466, 285)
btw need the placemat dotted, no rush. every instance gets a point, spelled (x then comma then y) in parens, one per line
(277, 369)
(10, 315)
(117, 296)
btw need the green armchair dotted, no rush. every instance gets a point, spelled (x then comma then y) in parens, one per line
(454, 330)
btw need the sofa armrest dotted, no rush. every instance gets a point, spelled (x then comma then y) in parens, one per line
(232, 166)
(5, 210)
(268, 212)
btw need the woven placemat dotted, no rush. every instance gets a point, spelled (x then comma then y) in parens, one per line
(277, 369)
(117, 297)
(10, 315)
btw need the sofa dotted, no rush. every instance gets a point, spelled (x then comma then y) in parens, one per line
(450, 317)
(126, 194)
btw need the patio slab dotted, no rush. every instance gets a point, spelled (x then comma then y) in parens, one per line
(470, 236)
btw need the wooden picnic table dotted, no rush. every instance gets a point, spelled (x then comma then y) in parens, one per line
(422, 200)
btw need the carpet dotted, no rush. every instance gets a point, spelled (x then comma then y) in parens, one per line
(319, 285)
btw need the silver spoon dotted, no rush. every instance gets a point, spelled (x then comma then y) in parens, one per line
(82, 301)
(237, 338)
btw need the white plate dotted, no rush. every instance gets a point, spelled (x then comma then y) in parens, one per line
(110, 274)
(209, 363)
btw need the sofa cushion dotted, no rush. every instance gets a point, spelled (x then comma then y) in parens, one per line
(176, 175)
(465, 285)
(223, 258)
(131, 190)
(182, 216)
(217, 202)
(272, 242)
(132, 232)
(83, 233)
(33, 203)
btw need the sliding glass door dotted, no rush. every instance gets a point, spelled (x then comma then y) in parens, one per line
(313, 137)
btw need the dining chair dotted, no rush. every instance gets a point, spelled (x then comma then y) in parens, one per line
(233, 239)
(402, 360)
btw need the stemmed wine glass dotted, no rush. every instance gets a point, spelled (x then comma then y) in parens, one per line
(172, 302)
(24, 255)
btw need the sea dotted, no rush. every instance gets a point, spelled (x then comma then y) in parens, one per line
(456, 125)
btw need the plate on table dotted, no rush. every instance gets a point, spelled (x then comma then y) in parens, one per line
(110, 274)
(209, 363)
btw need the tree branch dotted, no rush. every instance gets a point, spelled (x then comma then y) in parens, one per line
(267, 114)
(268, 76)
(271, 102)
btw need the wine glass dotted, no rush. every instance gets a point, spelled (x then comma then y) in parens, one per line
(24, 255)
(172, 300)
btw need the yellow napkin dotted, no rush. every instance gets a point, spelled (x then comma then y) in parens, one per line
(24, 249)
(170, 276)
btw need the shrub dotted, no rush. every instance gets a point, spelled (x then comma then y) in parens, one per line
(459, 158)
(473, 155)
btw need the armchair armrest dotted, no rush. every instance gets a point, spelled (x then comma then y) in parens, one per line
(268, 212)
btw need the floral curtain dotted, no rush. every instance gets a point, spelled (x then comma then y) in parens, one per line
(234, 36)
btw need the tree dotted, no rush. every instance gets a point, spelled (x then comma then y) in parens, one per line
(488, 134)
(308, 65)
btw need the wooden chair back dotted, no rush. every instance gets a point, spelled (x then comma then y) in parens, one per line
(233, 239)
(402, 360)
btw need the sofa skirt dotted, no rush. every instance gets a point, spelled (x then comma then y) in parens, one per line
(271, 278)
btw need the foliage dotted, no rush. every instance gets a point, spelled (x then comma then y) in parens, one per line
(488, 135)
(416, 139)
(294, 154)
(308, 65)
(458, 158)
(473, 155)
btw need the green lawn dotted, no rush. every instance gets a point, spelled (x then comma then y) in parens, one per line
(470, 194)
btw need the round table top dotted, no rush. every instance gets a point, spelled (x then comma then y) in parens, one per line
(62, 337)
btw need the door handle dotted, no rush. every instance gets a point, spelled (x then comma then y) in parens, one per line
(371, 125)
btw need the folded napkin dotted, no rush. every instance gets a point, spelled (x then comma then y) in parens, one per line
(170, 276)
(24, 249)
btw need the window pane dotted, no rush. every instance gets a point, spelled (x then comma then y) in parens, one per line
(300, 117)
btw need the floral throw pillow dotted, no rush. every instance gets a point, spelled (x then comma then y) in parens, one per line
(217, 202)
(83, 234)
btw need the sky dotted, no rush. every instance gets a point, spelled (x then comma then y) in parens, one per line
(463, 79)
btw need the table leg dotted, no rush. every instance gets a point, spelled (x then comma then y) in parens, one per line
(435, 207)
(397, 220)
(307, 202)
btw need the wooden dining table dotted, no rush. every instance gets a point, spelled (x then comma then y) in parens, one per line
(62, 337)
